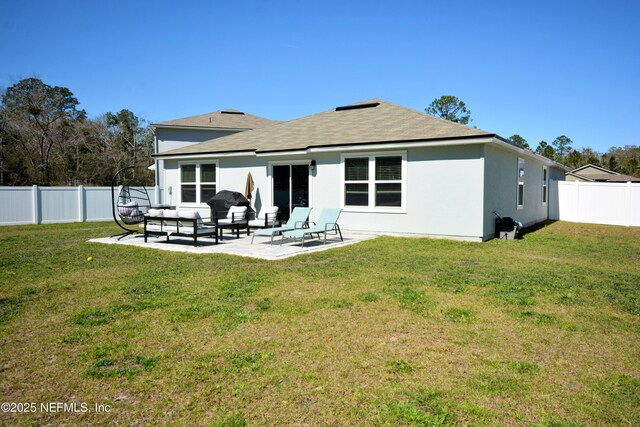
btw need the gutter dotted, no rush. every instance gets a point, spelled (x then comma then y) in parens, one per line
(367, 146)
(155, 125)
(203, 155)
(500, 141)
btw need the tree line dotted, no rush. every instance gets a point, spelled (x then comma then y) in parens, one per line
(46, 139)
(625, 160)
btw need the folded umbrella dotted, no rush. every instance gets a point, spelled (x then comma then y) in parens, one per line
(248, 188)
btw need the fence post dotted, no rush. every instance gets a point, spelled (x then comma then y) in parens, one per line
(629, 214)
(36, 205)
(576, 201)
(81, 203)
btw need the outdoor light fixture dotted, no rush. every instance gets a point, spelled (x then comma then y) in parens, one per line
(312, 166)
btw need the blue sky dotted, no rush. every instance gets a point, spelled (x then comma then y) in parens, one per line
(539, 69)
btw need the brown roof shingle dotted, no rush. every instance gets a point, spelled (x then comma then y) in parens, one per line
(386, 122)
(226, 119)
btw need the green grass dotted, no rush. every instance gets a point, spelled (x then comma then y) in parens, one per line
(543, 331)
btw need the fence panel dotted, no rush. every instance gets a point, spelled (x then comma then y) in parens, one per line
(596, 202)
(97, 204)
(44, 205)
(58, 204)
(634, 205)
(16, 205)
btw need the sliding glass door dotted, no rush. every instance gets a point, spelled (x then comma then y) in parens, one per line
(290, 187)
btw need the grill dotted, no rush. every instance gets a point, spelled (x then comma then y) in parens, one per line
(223, 200)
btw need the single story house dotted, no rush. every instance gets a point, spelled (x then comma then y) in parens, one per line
(593, 173)
(390, 168)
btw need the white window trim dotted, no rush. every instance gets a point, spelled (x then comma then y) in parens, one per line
(372, 208)
(545, 186)
(520, 182)
(197, 203)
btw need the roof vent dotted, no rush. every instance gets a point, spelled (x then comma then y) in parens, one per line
(357, 106)
(232, 112)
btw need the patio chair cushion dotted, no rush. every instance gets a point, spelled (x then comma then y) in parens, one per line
(154, 227)
(190, 215)
(270, 213)
(184, 229)
(155, 212)
(235, 214)
(130, 213)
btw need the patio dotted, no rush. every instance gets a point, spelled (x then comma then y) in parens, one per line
(230, 245)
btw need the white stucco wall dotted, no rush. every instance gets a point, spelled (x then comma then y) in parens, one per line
(444, 187)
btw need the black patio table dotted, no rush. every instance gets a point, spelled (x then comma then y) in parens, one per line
(180, 222)
(235, 225)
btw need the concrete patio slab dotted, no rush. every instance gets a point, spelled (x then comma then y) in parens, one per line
(230, 245)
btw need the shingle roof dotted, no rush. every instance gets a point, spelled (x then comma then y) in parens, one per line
(618, 177)
(605, 176)
(385, 122)
(596, 167)
(227, 119)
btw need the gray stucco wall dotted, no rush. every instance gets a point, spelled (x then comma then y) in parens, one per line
(444, 187)
(170, 139)
(501, 187)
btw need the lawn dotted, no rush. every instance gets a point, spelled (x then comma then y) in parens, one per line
(543, 331)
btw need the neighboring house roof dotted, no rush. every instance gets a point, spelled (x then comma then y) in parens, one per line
(586, 170)
(604, 175)
(223, 119)
(369, 121)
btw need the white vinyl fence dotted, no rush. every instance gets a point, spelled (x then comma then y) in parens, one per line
(595, 202)
(45, 205)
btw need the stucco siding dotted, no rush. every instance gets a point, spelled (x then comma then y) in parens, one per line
(443, 186)
(501, 188)
(169, 139)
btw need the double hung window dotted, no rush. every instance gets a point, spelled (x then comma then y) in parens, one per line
(198, 182)
(374, 182)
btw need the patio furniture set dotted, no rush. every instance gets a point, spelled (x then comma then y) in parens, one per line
(171, 222)
(229, 210)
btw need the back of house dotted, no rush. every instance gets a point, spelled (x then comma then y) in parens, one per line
(389, 168)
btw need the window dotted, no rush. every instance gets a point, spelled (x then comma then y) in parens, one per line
(545, 182)
(389, 181)
(356, 177)
(374, 181)
(207, 181)
(197, 182)
(520, 183)
(188, 183)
